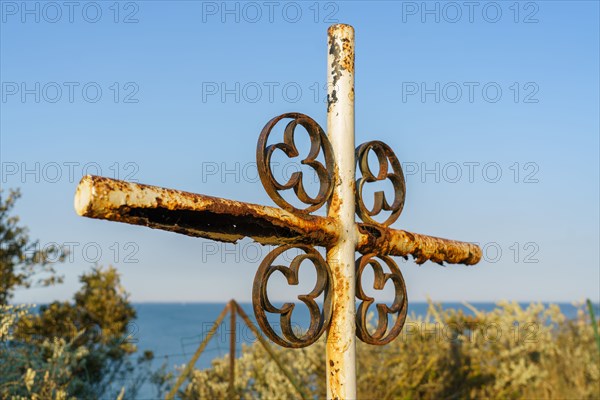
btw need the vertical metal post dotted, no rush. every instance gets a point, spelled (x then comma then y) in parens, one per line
(341, 338)
(232, 342)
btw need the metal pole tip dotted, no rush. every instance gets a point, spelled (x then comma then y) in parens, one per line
(341, 31)
(83, 195)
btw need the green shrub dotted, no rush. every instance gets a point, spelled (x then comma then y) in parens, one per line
(73, 349)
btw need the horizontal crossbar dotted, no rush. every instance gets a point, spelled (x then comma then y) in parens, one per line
(229, 221)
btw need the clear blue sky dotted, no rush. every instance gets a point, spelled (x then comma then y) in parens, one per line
(467, 92)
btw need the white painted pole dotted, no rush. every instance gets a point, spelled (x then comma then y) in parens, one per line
(341, 338)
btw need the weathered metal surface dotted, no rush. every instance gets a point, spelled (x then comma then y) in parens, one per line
(318, 143)
(386, 241)
(197, 215)
(341, 338)
(399, 306)
(385, 156)
(319, 320)
(227, 220)
(340, 63)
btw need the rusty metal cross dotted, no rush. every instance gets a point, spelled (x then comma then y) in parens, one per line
(339, 274)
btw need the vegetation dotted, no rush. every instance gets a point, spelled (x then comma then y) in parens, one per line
(20, 257)
(508, 353)
(77, 349)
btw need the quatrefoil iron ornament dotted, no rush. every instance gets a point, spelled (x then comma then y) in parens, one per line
(385, 157)
(318, 143)
(320, 317)
(399, 306)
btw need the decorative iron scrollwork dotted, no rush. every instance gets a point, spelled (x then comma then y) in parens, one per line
(260, 301)
(398, 307)
(385, 156)
(318, 142)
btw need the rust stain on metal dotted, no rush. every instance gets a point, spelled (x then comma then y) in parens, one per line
(228, 220)
(341, 48)
(197, 215)
(380, 240)
(337, 342)
(335, 202)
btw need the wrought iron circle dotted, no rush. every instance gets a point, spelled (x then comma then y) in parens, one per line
(319, 320)
(399, 306)
(318, 142)
(385, 157)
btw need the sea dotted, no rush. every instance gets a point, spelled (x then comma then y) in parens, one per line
(173, 331)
